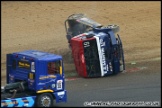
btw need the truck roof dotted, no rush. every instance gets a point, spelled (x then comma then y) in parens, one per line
(39, 55)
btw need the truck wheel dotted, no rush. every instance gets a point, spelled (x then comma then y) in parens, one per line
(44, 100)
(115, 28)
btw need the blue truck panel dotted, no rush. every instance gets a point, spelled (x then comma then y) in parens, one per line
(40, 55)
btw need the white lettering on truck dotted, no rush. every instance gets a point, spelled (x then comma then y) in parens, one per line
(101, 53)
(105, 68)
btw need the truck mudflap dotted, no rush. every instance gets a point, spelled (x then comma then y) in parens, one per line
(19, 102)
(61, 96)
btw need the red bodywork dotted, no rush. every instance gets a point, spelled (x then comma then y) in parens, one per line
(78, 54)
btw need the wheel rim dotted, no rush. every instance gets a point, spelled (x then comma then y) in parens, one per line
(46, 101)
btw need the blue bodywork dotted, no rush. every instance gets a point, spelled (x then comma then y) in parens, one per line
(111, 50)
(31, 66)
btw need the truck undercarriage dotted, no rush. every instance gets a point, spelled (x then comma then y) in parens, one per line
(79, 23)
(16, 90)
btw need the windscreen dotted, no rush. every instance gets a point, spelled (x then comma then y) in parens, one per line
(92, 58)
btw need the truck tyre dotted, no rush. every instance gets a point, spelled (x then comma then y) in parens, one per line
(115, 28)
(44, 100)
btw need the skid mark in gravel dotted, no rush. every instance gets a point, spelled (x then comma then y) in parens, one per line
(72, 79)
(135, 69)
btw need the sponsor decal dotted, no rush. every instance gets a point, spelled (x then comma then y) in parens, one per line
(19, 102)
(44, 83)
(23, 64)
(53, 85)
(46, 77)
(105, 67)
(61, 93)
(59, 84)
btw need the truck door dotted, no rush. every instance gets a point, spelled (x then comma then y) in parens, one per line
(55, 75)
(10, 65)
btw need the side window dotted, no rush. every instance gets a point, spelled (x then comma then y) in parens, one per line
(54, 67)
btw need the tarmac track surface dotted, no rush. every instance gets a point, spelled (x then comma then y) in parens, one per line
(140, 85)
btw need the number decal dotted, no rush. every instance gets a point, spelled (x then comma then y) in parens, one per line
(59, 84)
(86, 44)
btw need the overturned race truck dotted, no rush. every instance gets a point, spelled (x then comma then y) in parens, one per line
(34, 78)
(97, 50)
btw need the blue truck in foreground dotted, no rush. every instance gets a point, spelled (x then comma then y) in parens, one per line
(34, 78)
